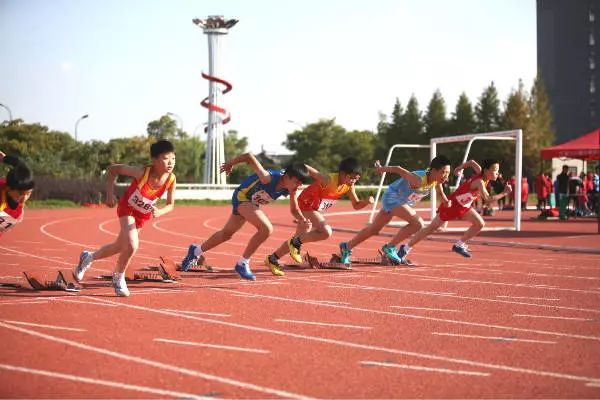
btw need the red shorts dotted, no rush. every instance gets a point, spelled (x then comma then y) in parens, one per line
(140, 219)
(452, 212)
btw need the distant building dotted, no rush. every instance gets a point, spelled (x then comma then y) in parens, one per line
(568, 43)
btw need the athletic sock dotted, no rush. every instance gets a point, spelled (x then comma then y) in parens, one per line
(198, 251)
(459, 243)
(273, 259)
(244, 261)
(296, 242)
(407, 248)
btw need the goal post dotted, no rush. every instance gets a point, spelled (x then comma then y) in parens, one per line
(516, 135)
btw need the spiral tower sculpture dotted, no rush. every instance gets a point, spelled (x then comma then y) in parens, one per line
(215, 27)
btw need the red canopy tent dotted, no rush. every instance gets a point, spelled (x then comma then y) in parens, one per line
(586, 147)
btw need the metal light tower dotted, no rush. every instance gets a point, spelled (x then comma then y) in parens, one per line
(214, 27)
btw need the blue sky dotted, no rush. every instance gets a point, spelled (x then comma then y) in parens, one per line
(128, 62)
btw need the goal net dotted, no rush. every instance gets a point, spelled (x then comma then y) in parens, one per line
(514, 135)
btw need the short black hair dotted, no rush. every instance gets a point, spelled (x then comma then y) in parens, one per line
(297, 170)
(350, 165)
(439, 162)
(488, 162)
(565, 167)
(161, 147)
(20, 177)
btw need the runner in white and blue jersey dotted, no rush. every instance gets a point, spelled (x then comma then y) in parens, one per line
(397, 201)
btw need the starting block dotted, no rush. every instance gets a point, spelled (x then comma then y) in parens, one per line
(62, 282)
(166, 272)
(200, 266)
(333, 264)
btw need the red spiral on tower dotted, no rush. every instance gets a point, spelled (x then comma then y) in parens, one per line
(213, 107)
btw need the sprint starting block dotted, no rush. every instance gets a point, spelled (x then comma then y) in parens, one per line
(313, 262)
(165, 271)
(63, 282)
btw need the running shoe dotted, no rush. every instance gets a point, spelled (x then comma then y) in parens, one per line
(245, 272)
(294, 252)
(274, 266)
(190, 259)
(390, 252)
(85, 261)
(120, 286)
(345, 253)
(462, 250)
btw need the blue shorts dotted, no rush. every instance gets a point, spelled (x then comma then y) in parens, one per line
(388, 203)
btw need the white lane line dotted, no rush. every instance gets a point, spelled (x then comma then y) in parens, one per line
(199, 313)
(101, 382)
(453, 295)
(161, 291)
(158, 364)
(421, 368)
(527, 298)
(293, 321)
(551, 317)
(213, 346)
(71, 300)
(500, 338)
(425, 308)
(342, 343)
(8, 303)
(244, 295)
(329, 302)
(64, 328)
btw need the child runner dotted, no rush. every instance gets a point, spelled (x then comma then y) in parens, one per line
(461, 206)
(258, 189)
(15, 190)
(314, 201)
(135, 208)
(397, 201)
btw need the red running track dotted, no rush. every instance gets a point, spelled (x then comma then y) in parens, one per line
(508, 323)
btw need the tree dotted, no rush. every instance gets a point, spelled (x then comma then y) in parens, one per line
(235, 146)
(516, 116)
(487, 110)
(164, 128)
(434, 120)
(541, 119)
(463, 117)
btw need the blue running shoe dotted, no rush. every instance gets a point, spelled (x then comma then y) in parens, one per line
(390, 252)
(345, 253)
(462, 250)
(245, 272)
(190, 259)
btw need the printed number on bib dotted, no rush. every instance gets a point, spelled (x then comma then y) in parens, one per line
(140, 203)
(326, 204)
(261, 198)
(7, 222)
(415, 197)
(465, 199)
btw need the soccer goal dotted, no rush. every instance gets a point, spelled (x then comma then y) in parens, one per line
(515, 135)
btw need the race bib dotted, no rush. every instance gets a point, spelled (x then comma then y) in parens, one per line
(415, 197)
(140, 203)
(465, 199)
(326, 204)
(261, 198)
(7, 221)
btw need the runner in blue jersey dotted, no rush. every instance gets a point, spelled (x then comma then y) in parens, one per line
(256, 190)
(397, 201)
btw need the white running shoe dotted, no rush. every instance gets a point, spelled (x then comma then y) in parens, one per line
(85, 261)
(120, 286)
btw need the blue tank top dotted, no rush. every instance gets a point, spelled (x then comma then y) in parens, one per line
(400, 191)
(251, 189)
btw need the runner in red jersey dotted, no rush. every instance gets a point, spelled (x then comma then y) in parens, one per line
(15, 190)
(461, 206)
(135, 208)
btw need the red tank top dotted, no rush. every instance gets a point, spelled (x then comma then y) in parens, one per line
(140, 196)
(320, 198)
(8, 217)
(464, 196)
